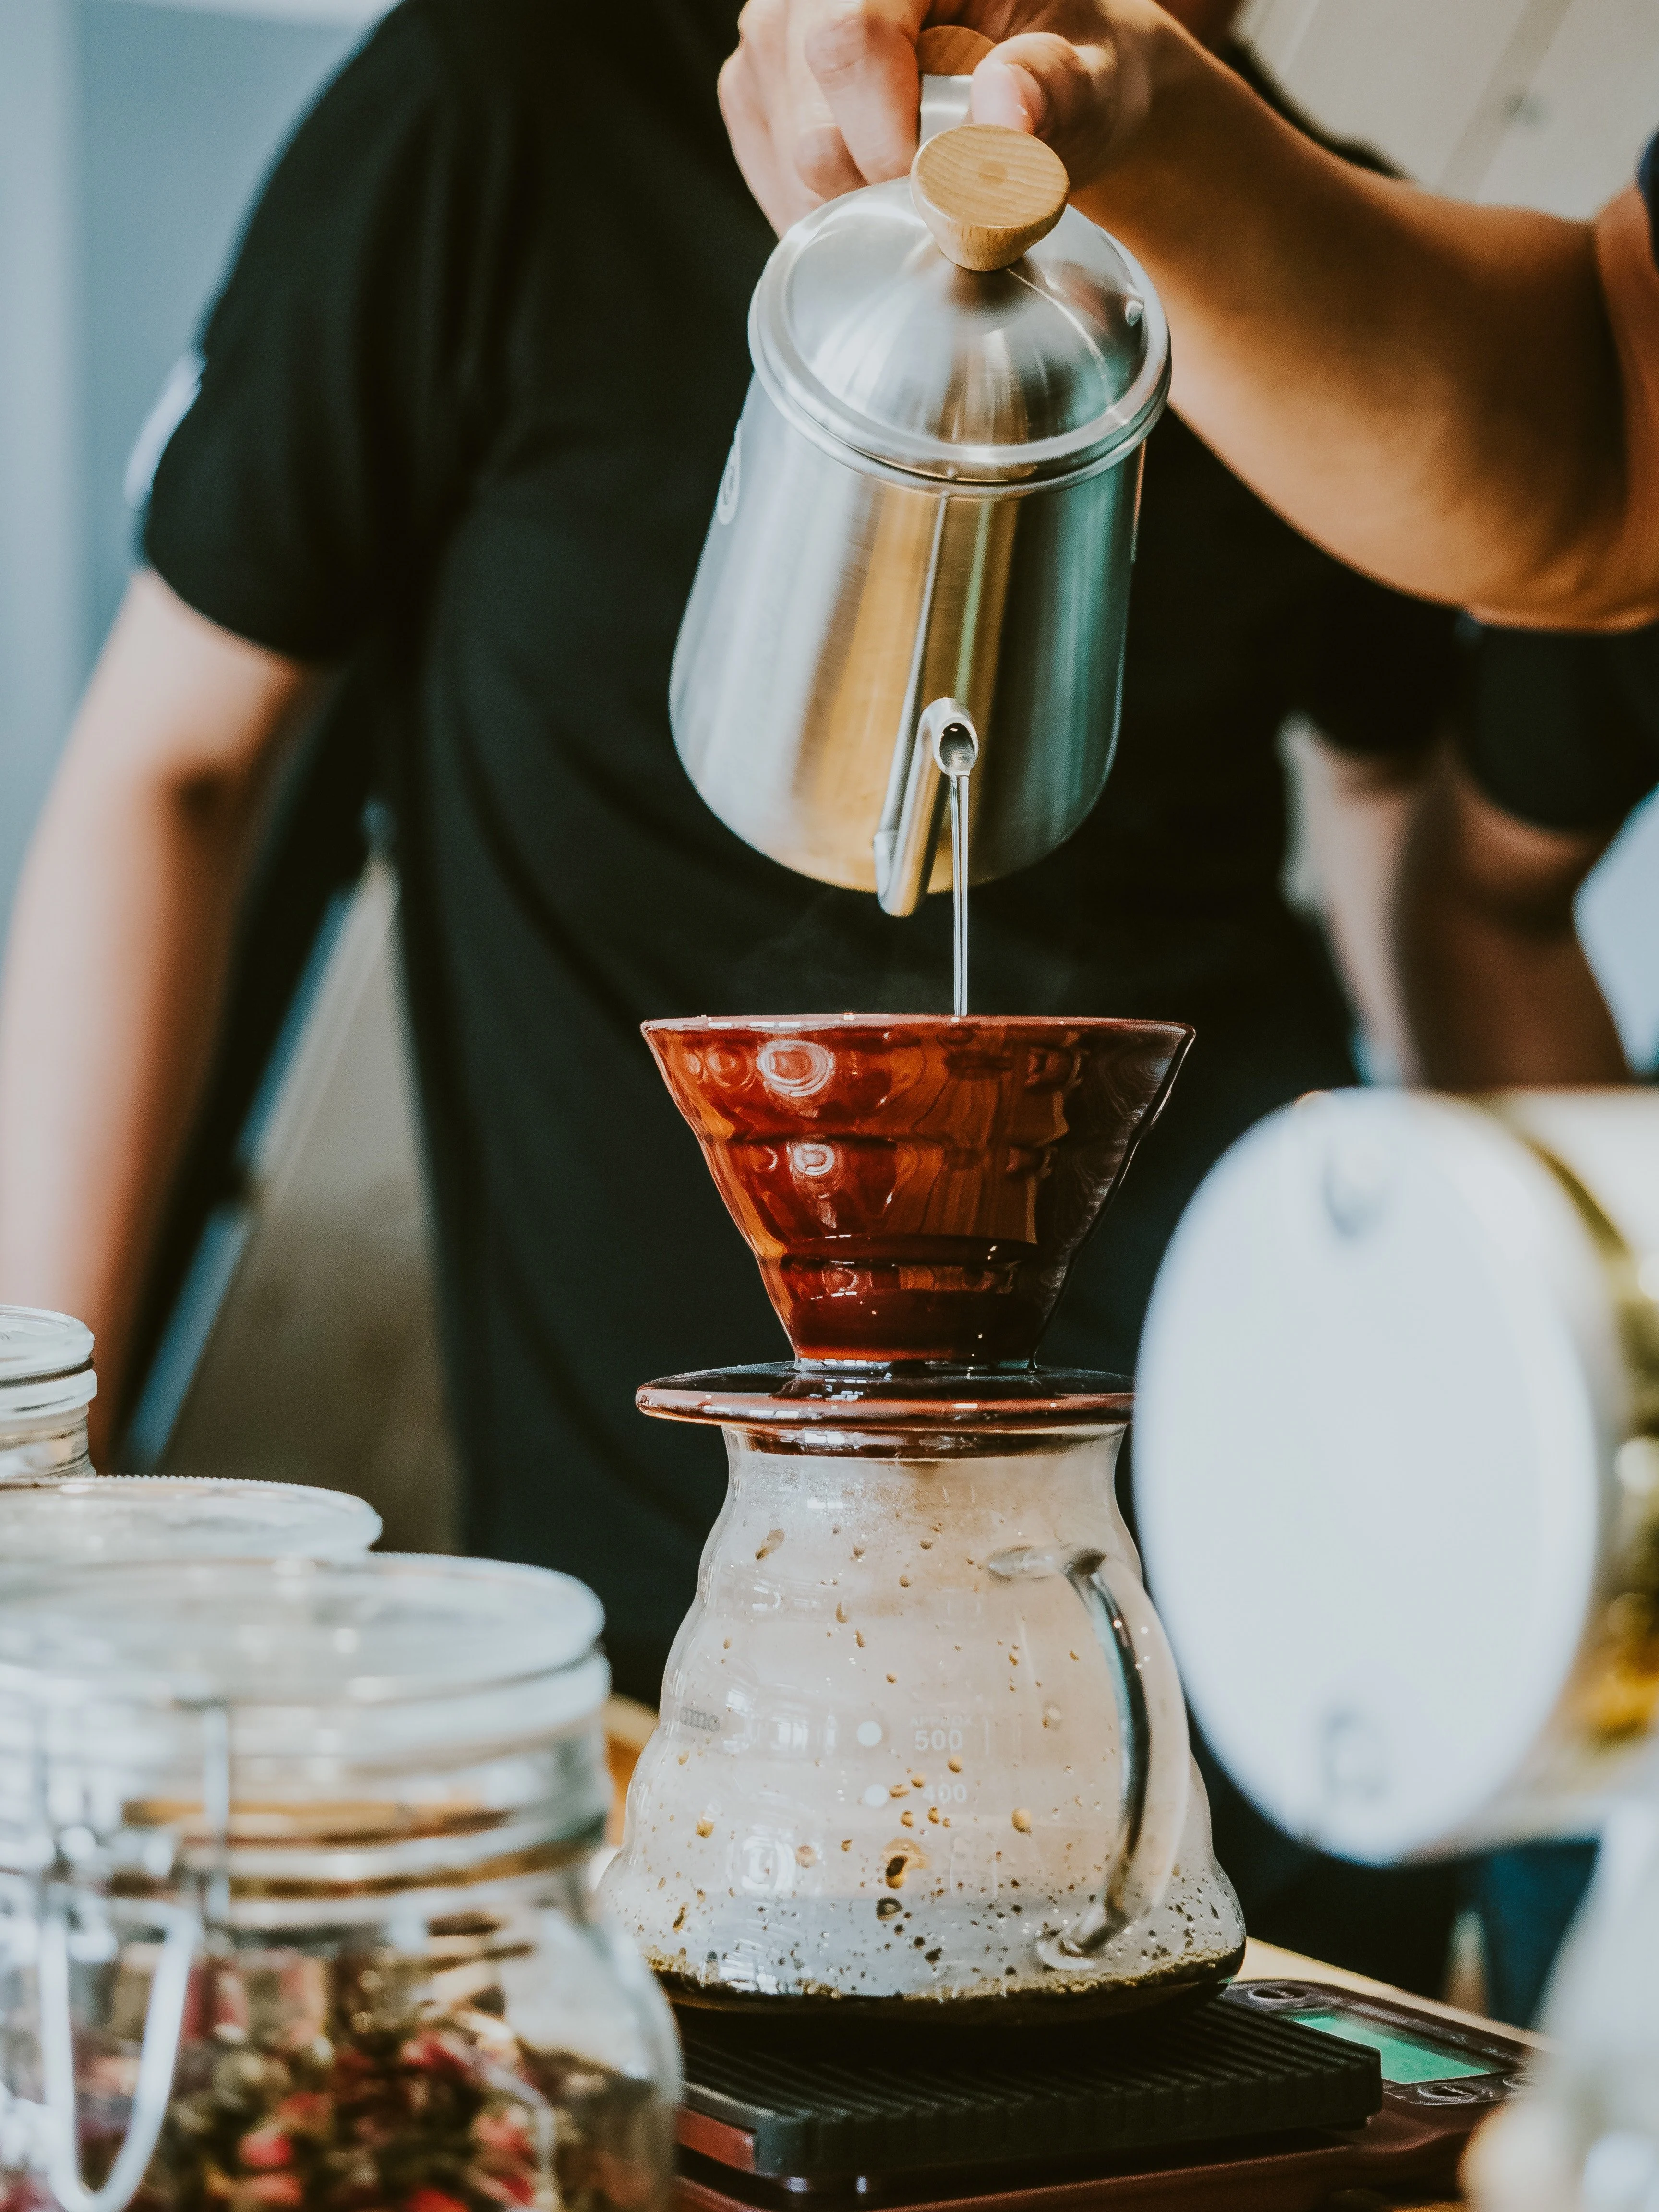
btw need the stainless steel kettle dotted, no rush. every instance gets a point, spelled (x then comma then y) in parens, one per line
(931, 497)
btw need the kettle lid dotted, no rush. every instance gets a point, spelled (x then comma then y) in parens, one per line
(871, 339)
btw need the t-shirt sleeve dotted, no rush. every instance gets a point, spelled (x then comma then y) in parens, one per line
(1563, 731)
(302, 493)
(1647, 177)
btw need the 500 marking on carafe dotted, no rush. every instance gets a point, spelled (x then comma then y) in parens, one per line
(931, 1733)
(934, 1737)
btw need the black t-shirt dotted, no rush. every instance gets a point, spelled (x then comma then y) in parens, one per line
(465, 403)
(1561, 730)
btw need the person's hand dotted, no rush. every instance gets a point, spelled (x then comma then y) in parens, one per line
(820, 95)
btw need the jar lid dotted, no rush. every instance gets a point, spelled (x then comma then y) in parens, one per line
(281, 1634)
(362, 1726)
(45, 1364)
(91, 1519)
(868, 337)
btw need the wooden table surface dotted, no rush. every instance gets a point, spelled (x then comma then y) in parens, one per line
(628, 1724)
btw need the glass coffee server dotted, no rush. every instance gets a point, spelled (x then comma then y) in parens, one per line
(297, 1906)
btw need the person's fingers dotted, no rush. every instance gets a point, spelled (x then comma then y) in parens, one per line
(760, 89)
(1081, 98)
(777, 188)
(862, 54)
(816, 145)
(820, 95)
(1009, 92)
(824, 165)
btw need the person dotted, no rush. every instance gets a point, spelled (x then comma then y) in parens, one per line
(1555, 745)
(463, 410)
(1461, 400)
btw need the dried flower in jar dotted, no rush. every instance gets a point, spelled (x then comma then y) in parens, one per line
(363, 2082)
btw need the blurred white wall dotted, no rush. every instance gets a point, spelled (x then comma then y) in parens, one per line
(1535, 103)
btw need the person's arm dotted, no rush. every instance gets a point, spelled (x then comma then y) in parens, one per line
(1497, 989)
(1463, 401)
(115, 962)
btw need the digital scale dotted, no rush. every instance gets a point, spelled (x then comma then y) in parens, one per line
(1272, 2097)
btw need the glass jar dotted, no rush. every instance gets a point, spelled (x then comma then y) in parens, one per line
(309, 1925)
(90, 1520)
(46, 1383)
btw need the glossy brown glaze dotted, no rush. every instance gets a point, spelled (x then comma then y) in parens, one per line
(916, 1187)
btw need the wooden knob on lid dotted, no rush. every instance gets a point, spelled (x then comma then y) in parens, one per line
(987, 193)
(951, 50)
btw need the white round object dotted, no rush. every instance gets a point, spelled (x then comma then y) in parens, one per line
(45, 1364)
(1379, 1396)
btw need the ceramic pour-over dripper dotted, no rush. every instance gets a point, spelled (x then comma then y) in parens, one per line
(915, 1188)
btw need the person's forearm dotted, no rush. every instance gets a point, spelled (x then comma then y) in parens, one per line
(116, 969)
(1497, 990)
(1461, 400)
(1428, 388)
(1491, 1012)
(114, 974)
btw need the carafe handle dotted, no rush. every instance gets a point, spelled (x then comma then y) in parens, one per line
(158, 2054)
(1156, 1756)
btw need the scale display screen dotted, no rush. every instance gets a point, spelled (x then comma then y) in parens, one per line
(1404, 2057)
